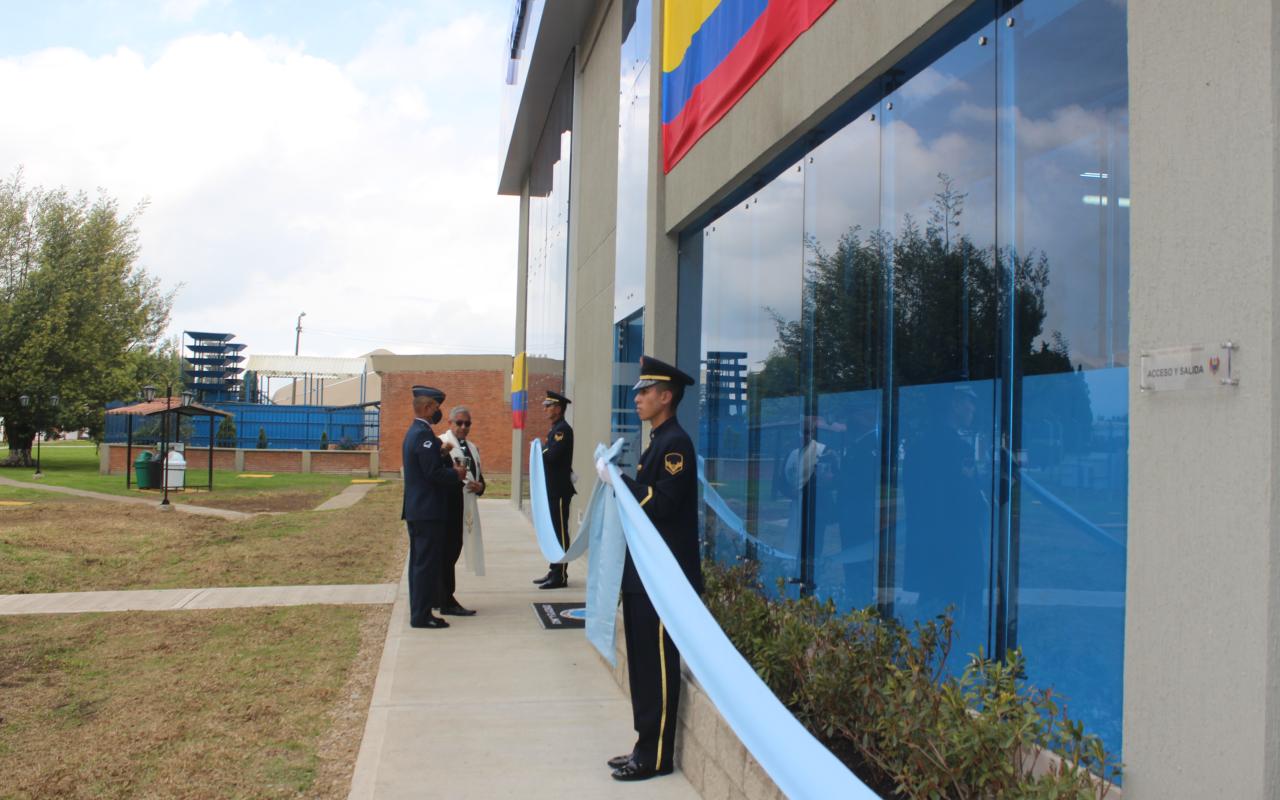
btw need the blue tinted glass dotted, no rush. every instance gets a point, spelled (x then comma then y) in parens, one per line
(752, 394)
(844, 291)
(938, 208)
(628, 343)
(633, 159)
(1064, 96)
(548, 259)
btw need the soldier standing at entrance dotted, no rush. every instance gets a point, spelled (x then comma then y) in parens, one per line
(666, 486)
(557, 462)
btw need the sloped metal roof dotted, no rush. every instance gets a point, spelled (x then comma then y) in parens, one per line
(303, 366)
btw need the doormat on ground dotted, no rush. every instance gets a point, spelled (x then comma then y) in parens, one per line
(560, 616)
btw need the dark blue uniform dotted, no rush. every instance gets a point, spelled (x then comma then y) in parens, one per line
(429, 480)
(557, 463)
(666, 485)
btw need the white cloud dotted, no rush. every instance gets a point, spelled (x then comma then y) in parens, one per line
(182, 10)
(279, 182)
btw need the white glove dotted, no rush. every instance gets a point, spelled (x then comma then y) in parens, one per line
(602, 469)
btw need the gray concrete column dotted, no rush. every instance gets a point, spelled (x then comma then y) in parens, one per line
(1202, 650)
(522, 302)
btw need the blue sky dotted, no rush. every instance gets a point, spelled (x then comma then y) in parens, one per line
(320, 156)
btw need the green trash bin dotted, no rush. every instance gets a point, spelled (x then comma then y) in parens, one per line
(142, 470)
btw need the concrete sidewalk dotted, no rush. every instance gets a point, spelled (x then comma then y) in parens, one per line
(347, 498)
(221, 513)
(495, 706)
(179, 599)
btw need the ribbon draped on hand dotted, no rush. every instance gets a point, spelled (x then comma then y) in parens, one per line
(797, 762)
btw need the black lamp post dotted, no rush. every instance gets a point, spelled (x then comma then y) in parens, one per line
(149, 394)
(25, 402)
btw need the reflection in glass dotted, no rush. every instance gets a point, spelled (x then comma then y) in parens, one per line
(548, 259)
(630, 251)
(1068, 142)
(843, 335)
(751, 417)
(915, 349)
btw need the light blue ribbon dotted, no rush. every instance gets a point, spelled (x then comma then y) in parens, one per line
(797, 762)
(600, 535)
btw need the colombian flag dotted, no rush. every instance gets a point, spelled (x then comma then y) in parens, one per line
(519, 393)
(713, 51)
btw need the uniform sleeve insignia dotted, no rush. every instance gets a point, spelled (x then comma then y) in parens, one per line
(673, 463)
(560, 436)
(427, 444)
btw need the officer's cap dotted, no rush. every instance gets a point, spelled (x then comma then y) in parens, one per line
(654, 371)
(429, 391)
(555, 398)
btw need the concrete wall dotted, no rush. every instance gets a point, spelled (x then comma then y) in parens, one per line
(1202, 647)
(594, 196)
(847, 48)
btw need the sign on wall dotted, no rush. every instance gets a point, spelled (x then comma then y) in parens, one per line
(713, 51)
(1193, 366)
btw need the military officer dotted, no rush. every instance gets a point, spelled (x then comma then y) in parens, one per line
(557, 462)
(430, 476)
(666, 486)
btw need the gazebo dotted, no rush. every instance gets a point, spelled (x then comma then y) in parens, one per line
(159, 406)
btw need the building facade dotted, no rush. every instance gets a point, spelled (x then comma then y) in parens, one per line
(928, 260)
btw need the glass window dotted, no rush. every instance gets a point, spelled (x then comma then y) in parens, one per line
(915, 350)
(630, 232)
(938, 210)
(753, 398)
(548, 260)
(844, 296)
(1065, 147)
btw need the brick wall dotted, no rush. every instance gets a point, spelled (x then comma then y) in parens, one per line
(343, 461)
(273, 461)
(482, 391)
(223, 458)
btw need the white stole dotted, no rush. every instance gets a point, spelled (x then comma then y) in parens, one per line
(472, 541)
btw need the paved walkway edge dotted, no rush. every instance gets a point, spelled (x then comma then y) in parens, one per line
(185, 599)
(186, 508)
(364, 776)
(346, 498)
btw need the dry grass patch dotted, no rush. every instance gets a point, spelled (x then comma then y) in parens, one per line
(59, 546)
(234, 703)
(264, 501)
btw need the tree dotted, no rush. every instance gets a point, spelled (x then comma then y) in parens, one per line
(226, 436)
(78, 317)
(262, 438)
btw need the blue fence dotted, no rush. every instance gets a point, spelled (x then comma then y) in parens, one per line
(282, 427)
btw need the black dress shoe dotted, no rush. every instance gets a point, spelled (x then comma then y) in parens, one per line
(430, 622)
(554, 583)
(631, 771)
(457, 611)
(545, 578)
(617, 762)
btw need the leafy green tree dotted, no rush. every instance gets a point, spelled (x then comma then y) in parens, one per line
(79, 317)
(226, 436)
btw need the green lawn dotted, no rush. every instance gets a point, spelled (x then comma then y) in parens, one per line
(255, 702)
(68, 544)
(75, 465)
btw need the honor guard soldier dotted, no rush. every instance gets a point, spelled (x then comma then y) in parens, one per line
(666, 485)
(430, 477)
(557, 463)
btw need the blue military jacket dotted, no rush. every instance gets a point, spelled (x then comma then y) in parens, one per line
(666, 484)
(557, 460)
(429, 479)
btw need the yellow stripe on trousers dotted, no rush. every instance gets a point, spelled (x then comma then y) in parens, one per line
(662, 660)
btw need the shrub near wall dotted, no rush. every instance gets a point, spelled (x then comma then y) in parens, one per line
(879, 696)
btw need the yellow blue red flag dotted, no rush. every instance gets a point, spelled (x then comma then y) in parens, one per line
(713, 51)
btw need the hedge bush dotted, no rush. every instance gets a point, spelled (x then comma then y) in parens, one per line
(879, 695)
